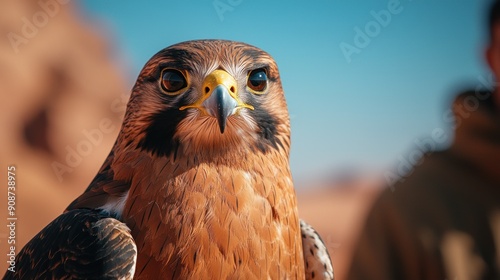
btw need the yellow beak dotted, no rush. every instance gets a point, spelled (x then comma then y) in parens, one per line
(219, 98)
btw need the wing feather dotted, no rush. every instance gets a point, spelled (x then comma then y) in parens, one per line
(79, 244)
(318, 262)
(103, 189)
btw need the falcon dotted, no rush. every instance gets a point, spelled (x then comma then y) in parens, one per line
(197, 185)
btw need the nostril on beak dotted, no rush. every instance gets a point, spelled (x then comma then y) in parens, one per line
(207, 89)
(232, 89)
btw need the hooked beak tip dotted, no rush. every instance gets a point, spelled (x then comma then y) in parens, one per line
(222, 126)
(221, 105)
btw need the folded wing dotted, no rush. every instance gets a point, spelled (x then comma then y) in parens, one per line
(79, 244)
(318, 264)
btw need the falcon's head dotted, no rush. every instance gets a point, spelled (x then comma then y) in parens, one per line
(207, 98)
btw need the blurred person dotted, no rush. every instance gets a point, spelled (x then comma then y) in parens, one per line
(443, 220)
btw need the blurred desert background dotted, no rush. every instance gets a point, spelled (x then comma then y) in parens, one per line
(64, 93)
(55, 96)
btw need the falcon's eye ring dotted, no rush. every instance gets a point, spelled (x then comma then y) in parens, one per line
(257, 81)
(172, 81)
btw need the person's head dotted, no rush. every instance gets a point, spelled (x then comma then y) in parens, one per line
(493, 49)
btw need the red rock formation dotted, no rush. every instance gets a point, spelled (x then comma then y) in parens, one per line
(63, 98)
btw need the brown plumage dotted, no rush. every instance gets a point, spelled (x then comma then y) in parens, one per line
(200, 170)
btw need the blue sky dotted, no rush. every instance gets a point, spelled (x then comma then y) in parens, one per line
(366, 113)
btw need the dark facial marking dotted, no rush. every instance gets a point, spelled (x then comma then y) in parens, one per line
(267, 124)
(179, 57)
(159, 138)
(173, 58)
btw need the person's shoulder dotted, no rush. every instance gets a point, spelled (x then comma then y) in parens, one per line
(430, 179)
(431, 168)
(475, 99)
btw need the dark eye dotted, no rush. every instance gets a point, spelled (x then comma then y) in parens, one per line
(172, 81)
(257, 80)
